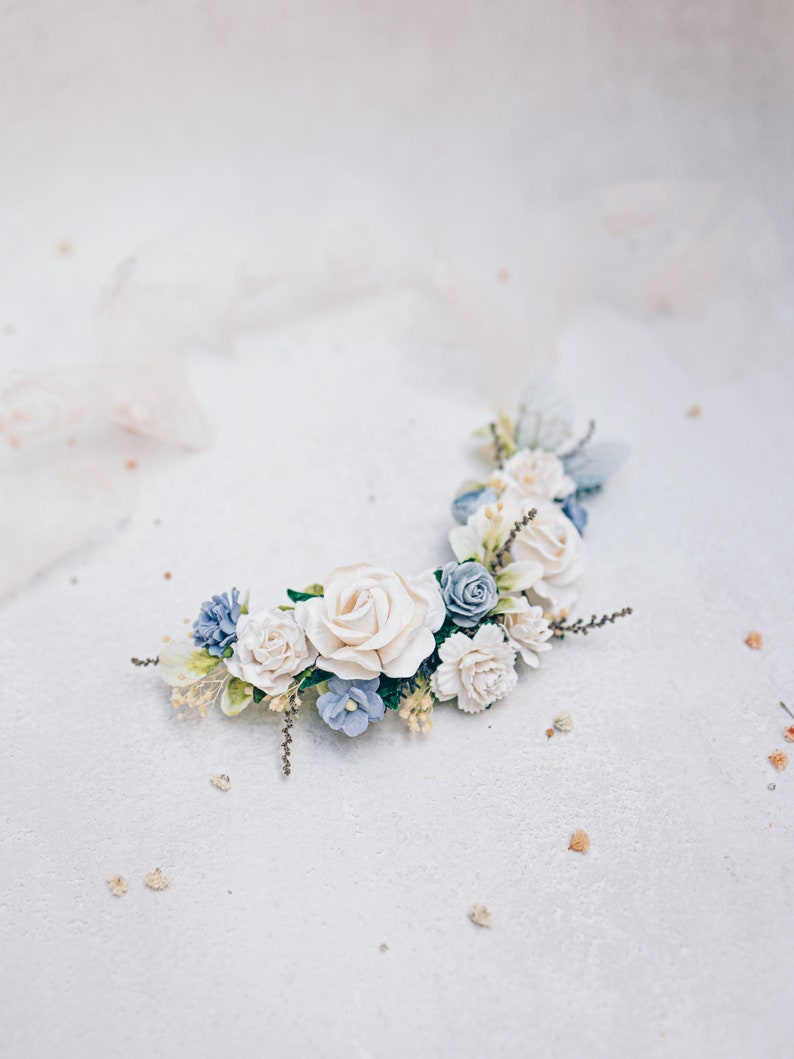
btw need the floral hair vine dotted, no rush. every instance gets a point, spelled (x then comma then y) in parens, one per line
(368, 640)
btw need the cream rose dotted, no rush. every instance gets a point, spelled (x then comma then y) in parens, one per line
(372, 621)
(533, 474)
(478, 669)
(528, 630)
(552, 540)
(271, 649)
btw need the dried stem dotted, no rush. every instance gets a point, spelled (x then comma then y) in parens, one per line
(788, 711)
(499, 447)
(504, 551)
(289, 720)
(582, 442)
(144, 661)
(561, 627)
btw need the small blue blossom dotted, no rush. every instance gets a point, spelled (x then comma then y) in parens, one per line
(350, 706)
(469, 593)
(576, 513)
(216, 626)
(467, 503)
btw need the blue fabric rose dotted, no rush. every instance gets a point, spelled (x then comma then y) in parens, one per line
(576, 513)
(469, 593)
(216, 626)
(467, 503)
(350, 706)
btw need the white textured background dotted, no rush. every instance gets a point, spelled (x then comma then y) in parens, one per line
(342, 438)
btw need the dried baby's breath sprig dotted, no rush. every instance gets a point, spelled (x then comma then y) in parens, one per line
(561, 627)
(118, 885)
(144, 661)
(481, 917)
(203, 695)
(519, 524)
(156, 880)
(416, 704)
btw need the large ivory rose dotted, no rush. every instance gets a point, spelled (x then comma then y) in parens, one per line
(372, 621)
(271, 649)
(533, 474)
(477, 670)
(552, 540)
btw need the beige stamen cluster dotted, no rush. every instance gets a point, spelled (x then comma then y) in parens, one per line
(417, 708)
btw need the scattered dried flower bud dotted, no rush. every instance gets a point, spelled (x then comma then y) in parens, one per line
(480, 916)
(563, 722)
(118, 885)
(221, 781)
(789, 734)
(580, 841)
(694, 411)
(131, 465)
(549, 733)
(167, 575)
(156, 880)
(755, 640)
(779, 759)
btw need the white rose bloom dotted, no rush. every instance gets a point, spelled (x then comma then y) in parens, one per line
(372, 621)
(528, 630)
(478, 670)
(533, 474)
(271, 649)
(552, 540)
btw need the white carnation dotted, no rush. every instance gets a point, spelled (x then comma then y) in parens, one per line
(478, 670)
(528, 630)
(533, 474)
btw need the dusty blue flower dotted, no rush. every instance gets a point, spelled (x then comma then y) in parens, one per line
(350, 706)
(469, 593)
(576, 513)
(467, 503)
(216, 626)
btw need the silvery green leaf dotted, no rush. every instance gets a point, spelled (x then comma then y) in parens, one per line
(591, 467)
(545, 416)
(236, 696)
(511, 605)
(182, 663)
(519, 576)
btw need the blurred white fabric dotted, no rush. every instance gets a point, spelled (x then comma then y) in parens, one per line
(223, 222)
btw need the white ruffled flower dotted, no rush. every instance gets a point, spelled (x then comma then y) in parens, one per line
(478, 670)
(372, 621)
(552, 540)
(271, 649)
(528, 630)
(533, 474)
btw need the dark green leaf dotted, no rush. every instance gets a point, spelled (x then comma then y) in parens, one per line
(258, 694)
(314, 677)
(299, 597)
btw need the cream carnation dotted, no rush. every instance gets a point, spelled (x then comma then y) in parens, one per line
(271, 649)
(372, 621)
(528, 630)
(478, 669)
(552, 540)
(533, 474)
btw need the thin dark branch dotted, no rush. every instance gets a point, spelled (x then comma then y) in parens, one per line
(561, 627)
(504, 551)
(144, 661)
(788, 711)
(582, 442)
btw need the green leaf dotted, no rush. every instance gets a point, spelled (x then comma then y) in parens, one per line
(313, 677)
(300, 597)
(390, 690)
(437, 574)
(447, 629)
(228, 651)
(258, 695)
